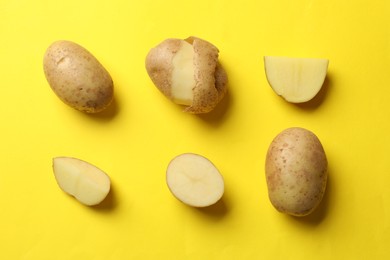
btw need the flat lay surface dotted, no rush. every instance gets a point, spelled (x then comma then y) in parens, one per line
(136, 137)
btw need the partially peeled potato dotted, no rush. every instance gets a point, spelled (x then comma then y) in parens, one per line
(188, 73)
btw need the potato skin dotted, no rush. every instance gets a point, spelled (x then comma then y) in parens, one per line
(77, 77)
(296, 172)
(210, 77)
(158, 64)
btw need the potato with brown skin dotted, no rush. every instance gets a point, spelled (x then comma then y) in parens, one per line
(188, 72)
(77, 77)
(296, 172)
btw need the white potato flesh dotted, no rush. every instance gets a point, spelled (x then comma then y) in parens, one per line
(183, 78)
(194, 180)
(297, 80)
(87, 183)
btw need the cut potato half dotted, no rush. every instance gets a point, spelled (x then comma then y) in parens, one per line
(194, 180)
(297, 80)
(87, 183)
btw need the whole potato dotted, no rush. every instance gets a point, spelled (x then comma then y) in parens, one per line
(296, 171)
(188, 73)
(77, 77)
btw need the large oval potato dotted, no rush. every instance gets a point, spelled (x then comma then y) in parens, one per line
(77, 77)
(296, 171)
(188, 73)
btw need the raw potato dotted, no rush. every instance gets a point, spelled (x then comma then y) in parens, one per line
(296, 172)
(77, 77)
(297, 80)
(87, 183)
(194, 180)
(188, 72)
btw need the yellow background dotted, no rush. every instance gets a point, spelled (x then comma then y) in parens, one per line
(134, 140)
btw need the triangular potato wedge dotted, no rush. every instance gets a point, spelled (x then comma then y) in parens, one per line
(87, 183)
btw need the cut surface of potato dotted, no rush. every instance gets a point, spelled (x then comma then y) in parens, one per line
(194, 180)
(297, 80)
(87, 183)
(183, 78)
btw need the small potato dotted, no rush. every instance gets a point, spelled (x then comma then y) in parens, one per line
(296, 172)
(188, 73)
(77, 77)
